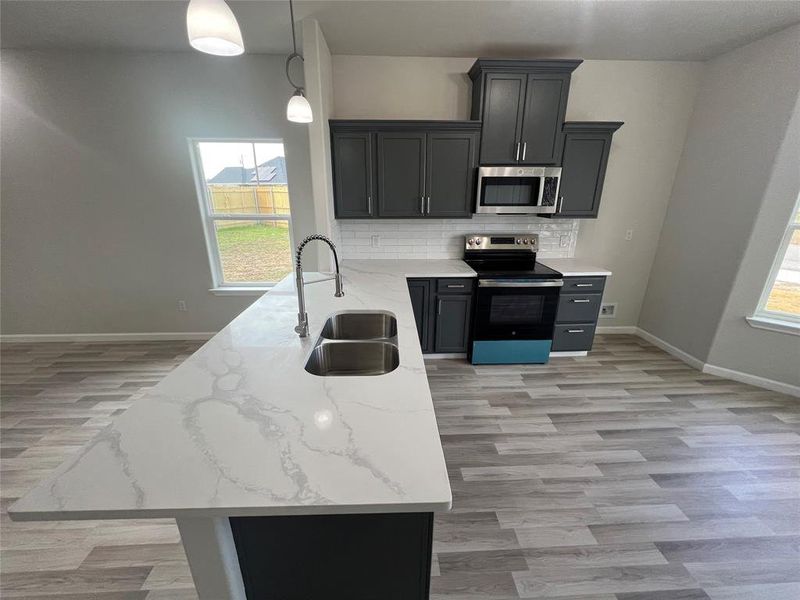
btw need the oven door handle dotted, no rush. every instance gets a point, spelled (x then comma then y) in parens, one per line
(510, 283)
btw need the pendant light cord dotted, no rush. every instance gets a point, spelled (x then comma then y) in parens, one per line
(295, 53)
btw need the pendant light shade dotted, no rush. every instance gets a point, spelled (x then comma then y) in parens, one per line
(213, 29)
(299, 110)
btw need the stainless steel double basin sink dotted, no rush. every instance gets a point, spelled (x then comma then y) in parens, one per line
(356, 344)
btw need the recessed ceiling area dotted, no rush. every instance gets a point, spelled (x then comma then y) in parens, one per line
(636, 30)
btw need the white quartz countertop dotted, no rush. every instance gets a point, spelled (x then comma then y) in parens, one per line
(574, 267)
(240, 428)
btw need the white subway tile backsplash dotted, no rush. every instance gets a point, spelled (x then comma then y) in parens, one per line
(444, 238)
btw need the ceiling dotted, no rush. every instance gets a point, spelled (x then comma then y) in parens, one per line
(596, 29)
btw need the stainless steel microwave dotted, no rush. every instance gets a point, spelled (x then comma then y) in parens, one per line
(518, 190)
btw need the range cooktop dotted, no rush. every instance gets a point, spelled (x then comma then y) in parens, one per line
(506, 255)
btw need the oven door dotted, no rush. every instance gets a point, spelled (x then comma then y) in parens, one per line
(516, 309)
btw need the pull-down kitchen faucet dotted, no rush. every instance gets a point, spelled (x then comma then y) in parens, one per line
(302, 316)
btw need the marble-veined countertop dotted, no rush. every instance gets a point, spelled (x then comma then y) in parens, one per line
(240, 428)
(574, 267)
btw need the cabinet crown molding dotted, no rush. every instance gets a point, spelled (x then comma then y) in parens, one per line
(581, 126)
(554, 65)
(403, 124)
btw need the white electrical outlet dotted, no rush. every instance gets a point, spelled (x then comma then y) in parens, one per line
(629, 235)
(182, 306)
(608, 310)
(564, 242)
(375, 241)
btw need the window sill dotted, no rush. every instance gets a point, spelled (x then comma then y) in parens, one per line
(240, 291)
(773, 324)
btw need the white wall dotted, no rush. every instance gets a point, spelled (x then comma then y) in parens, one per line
(101, 230)
(319, 91)
(733, 193)
(653, 98)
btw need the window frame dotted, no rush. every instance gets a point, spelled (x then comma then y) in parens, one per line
(209, 218)
(771, 319)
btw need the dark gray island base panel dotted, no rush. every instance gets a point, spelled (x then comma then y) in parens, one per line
(384, 556)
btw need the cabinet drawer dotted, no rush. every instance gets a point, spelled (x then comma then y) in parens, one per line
(573, 337)
(578, 308)
(453, 285)
(583, 285)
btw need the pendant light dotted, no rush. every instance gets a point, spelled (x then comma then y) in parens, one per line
(213, 29)
(298, 110)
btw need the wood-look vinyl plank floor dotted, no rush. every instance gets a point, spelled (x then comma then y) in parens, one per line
(623, 475)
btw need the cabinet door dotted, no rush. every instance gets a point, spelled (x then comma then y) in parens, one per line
(543, 117)
(453, 313)
(582, 174)
(420, 291)
(353, 175)
(502, 116)
(401, 174)
(450, 169)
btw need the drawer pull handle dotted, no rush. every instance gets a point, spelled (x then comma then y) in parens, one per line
(574, 330)
(581, 300)
(452, 285)
(439, 307)
(583, 285)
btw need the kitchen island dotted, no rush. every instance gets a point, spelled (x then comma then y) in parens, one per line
(240, 444)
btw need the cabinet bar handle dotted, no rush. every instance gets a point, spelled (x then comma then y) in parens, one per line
(574, 330)
(584, 284)
(453, 285)
(429, 205)
(439, 307)
(580, 301)
(517, 156)
(524, 150)
(560, 204)
(369, 204)
(422, 205)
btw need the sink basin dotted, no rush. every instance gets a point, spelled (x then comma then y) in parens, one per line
(360, 326)
(352, 358)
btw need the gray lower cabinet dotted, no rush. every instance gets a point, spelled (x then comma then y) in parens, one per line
(404, 169)
(420, 292)
(443, 312)
(583, 170)
(578, 310)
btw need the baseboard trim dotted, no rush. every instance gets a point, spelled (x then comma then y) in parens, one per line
(762, 382)
(689, 359)
(617, 329)
(693, 361)
(108, 337)
(567, 353)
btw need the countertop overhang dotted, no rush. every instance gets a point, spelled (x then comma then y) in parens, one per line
(241, 429)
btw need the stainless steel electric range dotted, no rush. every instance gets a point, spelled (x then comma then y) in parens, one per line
(517, 298)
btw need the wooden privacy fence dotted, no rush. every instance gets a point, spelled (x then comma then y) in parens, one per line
(250, 199)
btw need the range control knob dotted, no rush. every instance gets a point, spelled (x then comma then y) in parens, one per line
(519, 241)
(525, 241)
(471, 241)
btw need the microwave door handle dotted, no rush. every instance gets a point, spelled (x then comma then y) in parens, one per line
(524, 149)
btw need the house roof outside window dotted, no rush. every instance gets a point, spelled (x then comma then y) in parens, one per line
(271, 172)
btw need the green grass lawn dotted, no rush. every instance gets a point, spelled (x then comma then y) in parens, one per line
(254, 252)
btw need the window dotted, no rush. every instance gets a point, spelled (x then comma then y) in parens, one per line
(244, 202)
(780, 302)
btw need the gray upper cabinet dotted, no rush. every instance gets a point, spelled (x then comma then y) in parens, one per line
(545, 106)
(586, 151)
(502, 118)
(404, 169)
(450, 173)
(401, 174)
(353, 175)
(522, 105)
